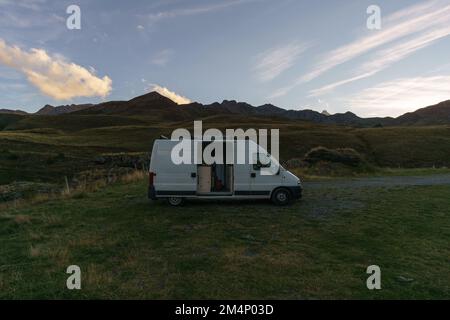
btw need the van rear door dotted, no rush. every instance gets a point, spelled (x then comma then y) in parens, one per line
(172, 179)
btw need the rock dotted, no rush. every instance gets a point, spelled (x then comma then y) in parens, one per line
(100, 160)
(404, 279)
(248, 237)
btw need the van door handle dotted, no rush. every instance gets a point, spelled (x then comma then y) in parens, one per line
(193, 175)
(253, 175)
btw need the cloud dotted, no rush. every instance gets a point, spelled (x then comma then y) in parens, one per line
(385, 58)
(396, 28)
(400, 95)
(274, 61)
(53, 75)
(180, 12)
(171, 95)
(403, 23)
(16, 14)
(330, 87)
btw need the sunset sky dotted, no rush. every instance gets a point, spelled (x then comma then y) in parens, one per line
(294, 54)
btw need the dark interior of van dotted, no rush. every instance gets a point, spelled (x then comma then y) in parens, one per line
(216, 177)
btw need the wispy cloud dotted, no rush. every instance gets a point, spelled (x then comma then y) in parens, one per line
(385, 58)
(35, 18)
(402, 23)
(180, 12)
(410, 21)
(274, 61)
(53, 75)
(34, 5)
(330, 87)
(171, 95)
(400, 95)
(162, 57)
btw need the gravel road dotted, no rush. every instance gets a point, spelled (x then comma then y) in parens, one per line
(430, 180)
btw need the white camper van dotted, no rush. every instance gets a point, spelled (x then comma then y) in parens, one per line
(196, 179)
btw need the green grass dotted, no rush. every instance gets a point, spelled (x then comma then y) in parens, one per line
(128, 247)
(83, 137)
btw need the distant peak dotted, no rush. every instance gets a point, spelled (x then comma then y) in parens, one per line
(153, 95)
(326, 113)
(45, 109)
(229, 102)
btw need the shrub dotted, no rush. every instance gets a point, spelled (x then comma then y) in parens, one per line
(294, 163)
(345, 156)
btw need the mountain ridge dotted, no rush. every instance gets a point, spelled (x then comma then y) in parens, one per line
(156, 105)
(63, 109)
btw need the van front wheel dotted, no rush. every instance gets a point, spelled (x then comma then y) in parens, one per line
(281, 197)
(175, 201)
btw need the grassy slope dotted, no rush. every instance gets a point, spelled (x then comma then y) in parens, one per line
(318, 248)
(36, 139)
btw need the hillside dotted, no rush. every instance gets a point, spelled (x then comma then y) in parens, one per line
(48, 148)
(38, 148)
(9, 111)
(53, 111)
(433, 115)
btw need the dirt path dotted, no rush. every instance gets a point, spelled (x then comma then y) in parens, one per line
(430, 180)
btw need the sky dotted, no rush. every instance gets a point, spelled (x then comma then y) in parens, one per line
(296, 54)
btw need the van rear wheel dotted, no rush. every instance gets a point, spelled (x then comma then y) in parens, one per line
(175, 201)
(281, 197)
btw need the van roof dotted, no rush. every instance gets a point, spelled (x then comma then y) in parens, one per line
(218, 140)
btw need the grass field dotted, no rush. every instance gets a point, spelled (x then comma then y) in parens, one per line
(29, 145)
(128, 247)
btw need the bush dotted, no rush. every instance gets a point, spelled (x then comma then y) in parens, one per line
(345, 156)
(295, 163)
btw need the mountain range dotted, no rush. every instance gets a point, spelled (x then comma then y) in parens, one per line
(155, 105)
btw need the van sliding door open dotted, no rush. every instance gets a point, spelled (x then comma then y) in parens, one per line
(215, 179)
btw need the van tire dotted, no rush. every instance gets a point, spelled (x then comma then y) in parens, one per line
(175, 201)
(281, 197)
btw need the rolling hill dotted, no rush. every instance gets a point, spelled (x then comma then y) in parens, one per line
(46, 148)
(433, 115)
(52, 111)
(158, 107)
(9, 111)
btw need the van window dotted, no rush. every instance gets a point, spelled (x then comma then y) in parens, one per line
(262, 161)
